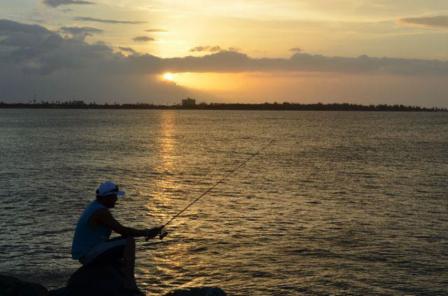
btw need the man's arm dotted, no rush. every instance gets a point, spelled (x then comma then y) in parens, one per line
(105, 218)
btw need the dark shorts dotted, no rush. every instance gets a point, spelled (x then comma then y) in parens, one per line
(109, 251)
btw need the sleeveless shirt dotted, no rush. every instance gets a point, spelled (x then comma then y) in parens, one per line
(88, 236)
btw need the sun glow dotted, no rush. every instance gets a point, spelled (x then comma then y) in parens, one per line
(168, 76)
(209, 81)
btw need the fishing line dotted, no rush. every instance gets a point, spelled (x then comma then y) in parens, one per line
(219, 182)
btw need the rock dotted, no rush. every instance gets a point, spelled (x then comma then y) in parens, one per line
(203, 291)
(10, 286)
(108, 280)
(96, 280)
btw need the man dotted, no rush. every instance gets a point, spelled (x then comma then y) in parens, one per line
(92, 243)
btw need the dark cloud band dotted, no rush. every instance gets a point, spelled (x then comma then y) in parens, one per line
(80, 32)
(106, 21)
(156, 31)
(440, 21)
(296, 49)
(143, 39)
(206, 49)
(56, 3)
(34, 45)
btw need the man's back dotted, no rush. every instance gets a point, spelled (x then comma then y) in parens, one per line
(86, 235)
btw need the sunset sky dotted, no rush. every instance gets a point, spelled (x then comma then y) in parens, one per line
(358, 51)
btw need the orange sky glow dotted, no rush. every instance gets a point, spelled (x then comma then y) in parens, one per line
(357, 51)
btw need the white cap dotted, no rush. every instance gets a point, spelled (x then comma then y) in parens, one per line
(109, 188)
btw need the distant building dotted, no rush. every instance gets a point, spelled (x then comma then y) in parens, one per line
(188, 102)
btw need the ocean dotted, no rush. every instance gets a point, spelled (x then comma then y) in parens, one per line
(340, 203)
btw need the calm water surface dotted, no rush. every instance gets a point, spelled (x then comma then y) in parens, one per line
(342, 203)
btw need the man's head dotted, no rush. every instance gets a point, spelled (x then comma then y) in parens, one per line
(107, 194)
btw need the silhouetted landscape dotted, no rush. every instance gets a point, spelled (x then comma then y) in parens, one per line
(190, 104)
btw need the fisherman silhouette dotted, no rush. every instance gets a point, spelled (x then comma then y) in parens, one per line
(92, 244)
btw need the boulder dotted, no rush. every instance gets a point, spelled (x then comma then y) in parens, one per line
(95, 280)
(10, 286)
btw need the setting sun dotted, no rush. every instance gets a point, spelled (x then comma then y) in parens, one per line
(168, 76)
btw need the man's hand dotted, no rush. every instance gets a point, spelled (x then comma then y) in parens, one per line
(153, 232)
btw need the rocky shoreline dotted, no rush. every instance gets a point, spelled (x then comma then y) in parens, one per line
(102, 280)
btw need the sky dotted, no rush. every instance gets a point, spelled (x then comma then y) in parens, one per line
(305, 51)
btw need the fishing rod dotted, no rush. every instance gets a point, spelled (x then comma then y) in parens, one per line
(163, 234)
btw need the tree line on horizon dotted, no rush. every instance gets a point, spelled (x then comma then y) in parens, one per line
(80, 104)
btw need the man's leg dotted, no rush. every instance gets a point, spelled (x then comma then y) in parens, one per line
(129, 262)
(106, 252)
(119, 249)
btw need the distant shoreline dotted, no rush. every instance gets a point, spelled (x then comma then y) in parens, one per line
(222, 106)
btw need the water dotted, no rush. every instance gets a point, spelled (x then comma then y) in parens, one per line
(342, 203)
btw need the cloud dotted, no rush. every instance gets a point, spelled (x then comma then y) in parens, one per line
(79, 32)
(143, 39)
(156, 31)
(8, 27)
(206, 49)
(127, 49)
(296, 49)
(36, 42)
(37, 60)
(106, 21)
(440, 21)
(230, 61)
(56, 3)
(34, 50)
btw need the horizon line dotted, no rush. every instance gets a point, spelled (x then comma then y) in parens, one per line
(191, 104)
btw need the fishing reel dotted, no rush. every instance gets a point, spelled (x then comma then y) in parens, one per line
(162, 234)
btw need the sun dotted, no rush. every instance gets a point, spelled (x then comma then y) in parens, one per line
(168, 76)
